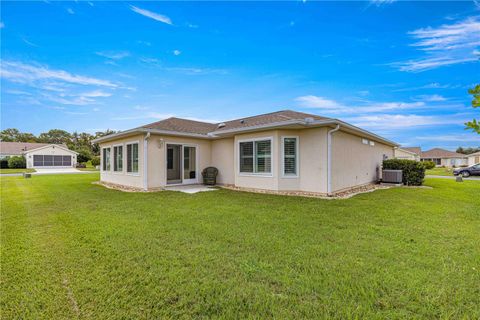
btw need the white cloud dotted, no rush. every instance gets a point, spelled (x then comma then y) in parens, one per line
(334, 107)
(70, 10)
(446, 45)
(467, 137)
(381, 2)
(152, 15)
(403, 121)
(191, 25)
(29, 73)
(177, 52)
(2, 25)
(431, 98)
(114, 55)
(29, 42)
(197, 71)
(312, 101)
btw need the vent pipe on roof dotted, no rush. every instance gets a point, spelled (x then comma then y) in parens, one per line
(221, 125)
(309, 120)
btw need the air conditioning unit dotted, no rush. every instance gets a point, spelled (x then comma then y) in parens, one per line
(392, 176)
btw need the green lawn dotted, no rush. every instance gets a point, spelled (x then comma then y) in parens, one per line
(71, 249)
(3, 171)
(440, 172)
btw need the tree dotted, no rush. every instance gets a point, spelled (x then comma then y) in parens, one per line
(56, 136)
(474, 124)
(467, 150)
(84, 155)
(9, 135)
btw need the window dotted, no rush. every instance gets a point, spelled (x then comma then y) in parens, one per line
(106, 159)
(364, 141)
(132, 157)
(51, 161)
(256, 156)
(372, 143)
(170, 158)
(118, 158)
(290, 161)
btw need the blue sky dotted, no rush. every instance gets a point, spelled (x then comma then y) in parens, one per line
(399, 69)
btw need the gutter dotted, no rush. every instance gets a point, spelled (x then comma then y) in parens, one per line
(329, 159)
(145, 161)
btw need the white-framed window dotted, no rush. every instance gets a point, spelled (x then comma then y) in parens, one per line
(106, 159)
(255, 156)
(290, 156)
(118, 158)
(132, 157)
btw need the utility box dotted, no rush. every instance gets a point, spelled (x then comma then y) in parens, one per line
(392, 176)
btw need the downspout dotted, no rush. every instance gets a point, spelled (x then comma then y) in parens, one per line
(329, 159)
(145, 161)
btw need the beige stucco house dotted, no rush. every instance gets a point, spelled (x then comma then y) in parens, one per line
(444, 158)
(40, 155)
(280, 151)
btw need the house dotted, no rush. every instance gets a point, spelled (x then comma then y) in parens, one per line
(279, 151)
(408, 153)
(444, 158)
(473, 158)
(40, 155)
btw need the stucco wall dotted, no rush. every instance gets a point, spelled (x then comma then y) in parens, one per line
(451, 162)
(355, 163)
(51, 151)
(222, 158)
(400, 154)
(123, 178)
(157, 158)
(473, 160)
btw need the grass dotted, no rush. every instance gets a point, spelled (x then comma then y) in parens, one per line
(5, 171)
(71, 249)
(440, 172)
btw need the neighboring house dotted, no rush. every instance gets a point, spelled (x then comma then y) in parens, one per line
(40, 155)
(473, 158)
(409, 153)
(442, 157)
(281, 151)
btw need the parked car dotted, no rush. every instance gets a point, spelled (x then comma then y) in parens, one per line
(468, 171)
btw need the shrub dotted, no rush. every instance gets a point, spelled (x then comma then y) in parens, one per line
(17, 162)
(413, 171)
(95, 161)
(81, 165)
(429, 164)
(3, 163)
(84, 155)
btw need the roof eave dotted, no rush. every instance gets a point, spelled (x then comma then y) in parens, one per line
(147, 130)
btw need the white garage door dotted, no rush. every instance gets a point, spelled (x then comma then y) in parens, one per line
(51, 161)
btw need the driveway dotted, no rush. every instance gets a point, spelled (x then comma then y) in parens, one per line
(452, 177)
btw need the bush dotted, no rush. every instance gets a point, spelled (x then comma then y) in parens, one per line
(95, 161)
(17, 162)
(84, 155)
(413, 171)
(4, 164)
(81, 165)
(429, 164)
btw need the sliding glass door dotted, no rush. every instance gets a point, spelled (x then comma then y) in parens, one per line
(181, 164)
(189, 164)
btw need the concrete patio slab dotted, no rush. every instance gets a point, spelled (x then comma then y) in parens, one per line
(194, 188)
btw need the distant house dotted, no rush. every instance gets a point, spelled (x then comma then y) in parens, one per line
(442, 157)
(473, 158)
(409, 153)
(40, 155)
(280, 151)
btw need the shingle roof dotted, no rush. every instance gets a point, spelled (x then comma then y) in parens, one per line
(441, 153)
(182, 125)
(18, 148)
(191, 126)
(415, 150)
(473, 154)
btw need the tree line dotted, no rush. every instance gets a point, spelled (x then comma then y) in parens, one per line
(79, 142)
